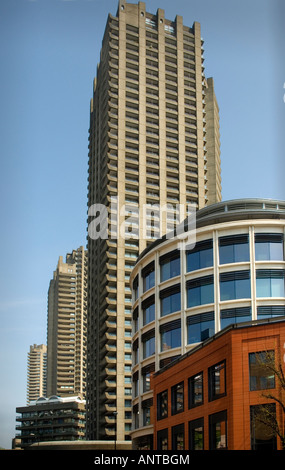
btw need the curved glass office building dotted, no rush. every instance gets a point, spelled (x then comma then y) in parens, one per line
(182, 295)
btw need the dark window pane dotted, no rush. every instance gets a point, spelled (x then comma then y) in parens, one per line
(217, 381)
(242, 288)
(200, 295)
(162, 405)
(149, 314)
(177, 398)
(171, 339)
(149, 347)
(227, 290)
(235, 289)
(199, 259)
(201, 331)
(162, 439)
(195, 390)
(178, 437)
(218, 431)
(270, 311)
(149, 281)
(226, 254)
(196, 434)
(170, 304)
(207, 294)
(241, 252)
(235, 253)
(170, 269)
(262, 422)
(193, 261)
(230, 316)
(193, 297)
(146, 382)
(206, 258)
(261, 374)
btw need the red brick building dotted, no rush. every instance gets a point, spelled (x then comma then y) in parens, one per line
(211, 397)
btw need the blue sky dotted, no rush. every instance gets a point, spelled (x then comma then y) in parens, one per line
(49, 50)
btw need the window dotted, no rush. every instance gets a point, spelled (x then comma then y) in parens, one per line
(170, 300)
(261, 374)
(235, 285)
(200, 291)
(148, 340)
(149, 281)
(270, 283)
(146, 382)
(269, 247)
(195, 390)
(218, 431)
(196, 434)
(178, 437)
(262, 434)
(162, 405)
(234, 315)
(201, 256)
(145, 372)
(169, 265)
(146, 415)
(136, 384)
(177, 398)
(200, 327)
(148, 307)
(217, 381)
(135, 352)
(148, 275)
(136, 287)
(135, 319)
(233, 249)
(162, 439)
(170, 335)
(270, 311)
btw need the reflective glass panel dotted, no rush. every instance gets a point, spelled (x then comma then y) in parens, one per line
(200, 295)
(171, 339)
(234, 253)
(149, 314)
(149, 347)
(269, 251)
(235, 289)
(171, 303)
(170, 269)
(270, 287)
(199, 259)
(198, 332)
(149, 281)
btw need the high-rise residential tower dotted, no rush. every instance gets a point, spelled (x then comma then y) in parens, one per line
(37, 372)
(153, 148)
(66, 328)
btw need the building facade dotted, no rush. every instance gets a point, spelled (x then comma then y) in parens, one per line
(51, 419)
(183, 293)
(66, 326)
(37, 372)
(225, 394)
(153, 142)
